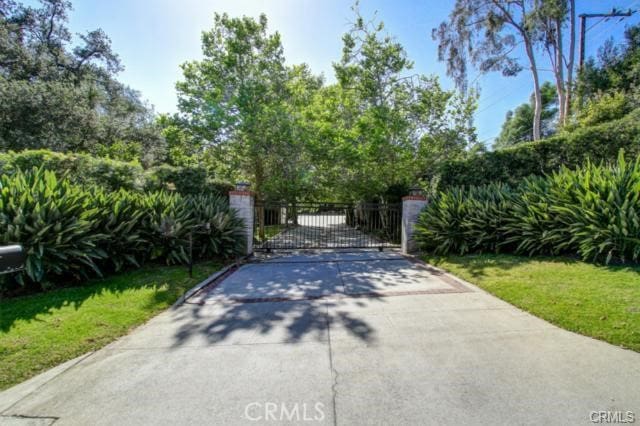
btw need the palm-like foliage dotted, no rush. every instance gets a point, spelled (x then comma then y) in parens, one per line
(592, 212)
(54, 221)
(80, 231)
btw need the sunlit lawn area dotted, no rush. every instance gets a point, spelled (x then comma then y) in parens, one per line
(40, 331)
(597, 301)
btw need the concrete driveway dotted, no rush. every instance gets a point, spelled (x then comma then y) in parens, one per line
(338, 338)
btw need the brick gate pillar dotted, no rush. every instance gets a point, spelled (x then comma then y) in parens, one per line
(412, 205)
(242, 201)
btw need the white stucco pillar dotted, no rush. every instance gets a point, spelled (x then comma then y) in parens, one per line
(412, 205)
(243, 203)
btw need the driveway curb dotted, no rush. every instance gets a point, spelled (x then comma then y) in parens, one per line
(209, 280)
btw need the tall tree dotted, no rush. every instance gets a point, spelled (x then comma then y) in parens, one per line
(64, 97)
(550, 18)
(235, 98)
(485, 34)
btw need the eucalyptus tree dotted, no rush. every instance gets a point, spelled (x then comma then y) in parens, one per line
(551, 18)
(486, 33)
(489, 33)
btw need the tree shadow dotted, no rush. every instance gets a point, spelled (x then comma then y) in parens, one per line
(268, 322)
(259, 302)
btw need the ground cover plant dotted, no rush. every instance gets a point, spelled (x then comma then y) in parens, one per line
(75, 232)
(592, 212)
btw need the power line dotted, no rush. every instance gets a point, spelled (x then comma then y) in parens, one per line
(583, 22)
(591, 27)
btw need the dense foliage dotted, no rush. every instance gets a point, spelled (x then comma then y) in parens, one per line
(113, 175)
(279, 127)
(599, 143)
(592, 212)
(74, 232)
(64, 97)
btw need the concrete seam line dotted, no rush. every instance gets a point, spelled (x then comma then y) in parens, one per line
(21, 417)
(210, 279)
(332, 369)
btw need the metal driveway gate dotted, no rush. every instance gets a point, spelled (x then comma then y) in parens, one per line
(326, 225)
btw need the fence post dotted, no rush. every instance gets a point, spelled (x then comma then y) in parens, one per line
(412, 205)
(242, 201)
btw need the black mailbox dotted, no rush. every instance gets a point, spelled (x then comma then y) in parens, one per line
(12, 258)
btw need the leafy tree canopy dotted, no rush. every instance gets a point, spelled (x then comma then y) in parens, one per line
(255, 117)
(64, 97)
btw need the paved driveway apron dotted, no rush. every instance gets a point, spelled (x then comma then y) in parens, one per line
(337, 338)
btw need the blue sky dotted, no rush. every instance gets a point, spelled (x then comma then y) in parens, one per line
(153, 37)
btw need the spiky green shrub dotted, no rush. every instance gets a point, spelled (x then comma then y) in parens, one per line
(465, 219)
(225, 235)
(488, 210)
(78, 231)
(440, 226)
(592, 212)
(121, 217)
(531, 227)
(166, 227)
(53, 220)
(600, 209)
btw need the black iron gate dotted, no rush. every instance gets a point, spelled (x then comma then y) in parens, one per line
(326, 225)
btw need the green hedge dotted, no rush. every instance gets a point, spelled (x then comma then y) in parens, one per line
(592, 212)
(114, 175)
(79, 168)
(184, 180)
(72, 232)
(597, 143)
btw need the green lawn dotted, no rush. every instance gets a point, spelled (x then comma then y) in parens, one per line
(40, 331)
(597, 301)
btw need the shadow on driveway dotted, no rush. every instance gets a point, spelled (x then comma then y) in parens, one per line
(270, 322)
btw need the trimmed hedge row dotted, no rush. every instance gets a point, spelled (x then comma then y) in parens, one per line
(113, 175)
(73, 232)
(511, 165)
(592, 212)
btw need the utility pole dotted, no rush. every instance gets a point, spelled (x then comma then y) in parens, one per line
(583, 21)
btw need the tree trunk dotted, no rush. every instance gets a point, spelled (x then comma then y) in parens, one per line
(536, 90)
(559, 71)
(572, 48)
